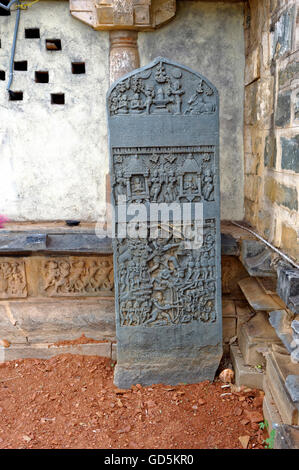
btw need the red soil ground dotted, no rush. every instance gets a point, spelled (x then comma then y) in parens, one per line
(70, 402)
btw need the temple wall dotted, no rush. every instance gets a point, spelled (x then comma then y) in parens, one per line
(271, 139)
(54, 157)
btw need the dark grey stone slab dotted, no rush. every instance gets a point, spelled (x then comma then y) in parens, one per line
(16, 242)
(286, 437)
(79, 242)
(164, 134)
(283, 109)
(229, 245)
(283, 32)
(292, 385)
(278, 319)
(290, 153)
(27, 242)
(256, 258)
(288, 286)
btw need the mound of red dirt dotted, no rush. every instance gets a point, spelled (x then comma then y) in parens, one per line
(70, 401)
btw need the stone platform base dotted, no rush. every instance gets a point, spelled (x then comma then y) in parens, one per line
(49, 350)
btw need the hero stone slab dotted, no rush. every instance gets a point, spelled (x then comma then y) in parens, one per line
(164, 154)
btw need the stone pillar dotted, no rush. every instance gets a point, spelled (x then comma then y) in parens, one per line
(124, 55)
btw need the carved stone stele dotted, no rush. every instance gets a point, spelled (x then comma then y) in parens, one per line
(163, 135)
(140, 15)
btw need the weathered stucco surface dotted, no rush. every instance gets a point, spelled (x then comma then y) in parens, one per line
(54, 158)
(209, 38)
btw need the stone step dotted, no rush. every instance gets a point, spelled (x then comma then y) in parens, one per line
(48, 350)
(244, 313)
(244, 374)
(255, 338)
(257, 297)
(270, 410)
(278, 368)
(49, 320)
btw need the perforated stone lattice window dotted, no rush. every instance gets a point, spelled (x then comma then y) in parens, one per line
(53, 44)
(42, 76)
(21, 65)
(78, 68)
(15, 95)
(57, 98)
(32, 33)
(39, 76)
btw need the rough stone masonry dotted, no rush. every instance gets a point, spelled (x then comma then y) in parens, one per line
(164, 134)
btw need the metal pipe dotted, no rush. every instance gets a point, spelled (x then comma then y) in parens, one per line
(7, 7)
(13, 50)
(269, 245)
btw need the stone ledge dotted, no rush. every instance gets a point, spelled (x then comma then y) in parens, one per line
(59, 238)
(245, 375)
(48, 350)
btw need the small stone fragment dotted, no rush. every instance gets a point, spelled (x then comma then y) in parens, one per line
(254, 416)
(227, 376)
(5, 343)
(244, 441)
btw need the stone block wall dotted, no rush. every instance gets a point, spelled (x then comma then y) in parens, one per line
(271, 133)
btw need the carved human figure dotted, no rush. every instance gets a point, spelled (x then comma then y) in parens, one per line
(156, 185)
(150, 95)
(171, 189)
(177, 92)
(208, 185)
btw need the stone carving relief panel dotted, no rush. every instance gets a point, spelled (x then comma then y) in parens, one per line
(164, 174)
(162, 283)
(12, 278)
(88, 276)
(162, 89)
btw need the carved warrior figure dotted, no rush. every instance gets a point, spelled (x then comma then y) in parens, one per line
(163, 284)
(12, 279)
(161, 91)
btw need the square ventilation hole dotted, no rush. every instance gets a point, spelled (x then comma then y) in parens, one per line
(32, 33)
(53, 44)
(57, 98)
(21, 65)
(15, 95)
(2, 75)
(4, 12)
(78, 67)
(42, 77)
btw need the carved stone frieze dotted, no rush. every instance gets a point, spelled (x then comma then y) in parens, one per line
(140, 15)
(77, 276)
(161, 283)
(163, 89)
(12, 278)
(164, 174)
